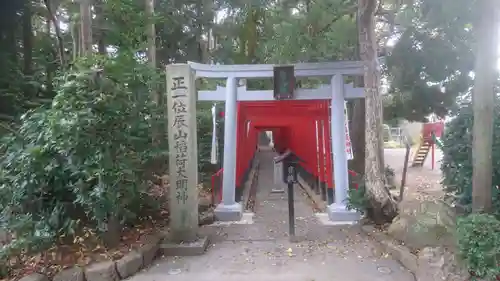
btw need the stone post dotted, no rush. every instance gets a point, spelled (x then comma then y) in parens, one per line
(183, 158)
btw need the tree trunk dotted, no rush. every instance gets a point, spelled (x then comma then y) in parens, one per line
(483, 99)
(155, 93)
(357, 130)
(75, 36)
(27, 38)
(101, 45)
(357, 122)
(382, 208)
(60, 42)
(51, 67)
(86, 27)
(151, 32)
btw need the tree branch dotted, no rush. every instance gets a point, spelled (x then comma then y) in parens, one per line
(350, 10)
(60, 43)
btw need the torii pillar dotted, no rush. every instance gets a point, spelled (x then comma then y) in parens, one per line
(229, 209)
(338, 212)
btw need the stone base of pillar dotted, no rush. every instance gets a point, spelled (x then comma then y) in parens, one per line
(279, 188)
(339, 214)
(232, 212)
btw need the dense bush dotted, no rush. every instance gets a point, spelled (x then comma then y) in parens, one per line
(479, 245)
(457, 160)
(82, 159)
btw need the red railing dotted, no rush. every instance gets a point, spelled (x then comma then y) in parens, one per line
(217, 186)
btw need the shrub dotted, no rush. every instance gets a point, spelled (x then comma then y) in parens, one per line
(457, 160)
(357, 196)
(82, 159)
(356, 199)
(479, 245)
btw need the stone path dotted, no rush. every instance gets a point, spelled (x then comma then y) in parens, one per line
(262, 251)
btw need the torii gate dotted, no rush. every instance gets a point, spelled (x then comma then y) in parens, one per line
(180, 81)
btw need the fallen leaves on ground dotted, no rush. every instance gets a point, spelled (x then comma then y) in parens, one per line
(87, 247)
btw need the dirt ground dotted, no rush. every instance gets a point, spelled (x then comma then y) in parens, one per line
(422, 183)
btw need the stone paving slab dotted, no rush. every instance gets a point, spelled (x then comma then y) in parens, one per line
(262, 251)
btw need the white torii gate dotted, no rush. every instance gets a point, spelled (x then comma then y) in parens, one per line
(337, 91)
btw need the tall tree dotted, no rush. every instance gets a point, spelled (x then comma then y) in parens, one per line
(382, 207)
(86, 26)
(429, 65)
(483, 100)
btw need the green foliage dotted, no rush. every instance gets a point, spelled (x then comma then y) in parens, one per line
(83, 158)
(457, 157)
(479, 245)
(204, 132)
(320, 31)
(357, 198)
(430, 64)
(389, 172)
(288, 32)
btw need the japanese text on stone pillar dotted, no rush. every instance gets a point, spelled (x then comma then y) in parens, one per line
(181, 134)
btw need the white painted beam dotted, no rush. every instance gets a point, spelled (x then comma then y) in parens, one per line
(266, 70)
(323, 92)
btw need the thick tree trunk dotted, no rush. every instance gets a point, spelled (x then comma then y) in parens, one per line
(483, 99)
(382, 207)
(86, 27)
(357, 122)
(75, 37)
(357, 130)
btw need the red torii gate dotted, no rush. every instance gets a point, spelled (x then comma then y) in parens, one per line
(297, 125)
(293, 124)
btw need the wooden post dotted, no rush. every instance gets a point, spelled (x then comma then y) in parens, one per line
(432, 155)
(405, 170)
(183, 158)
